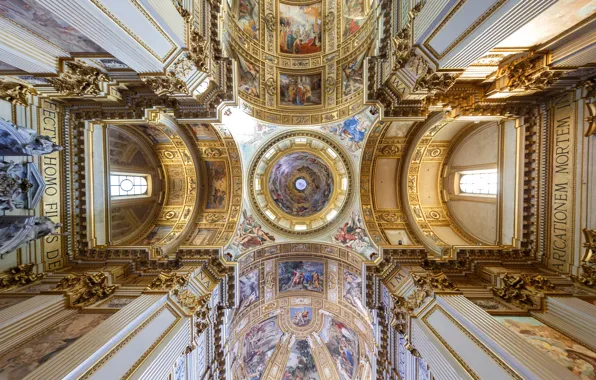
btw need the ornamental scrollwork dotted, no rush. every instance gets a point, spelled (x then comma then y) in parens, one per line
(270, 86)
(198, 52)
(15, 93)
(329, 20)
(435, 82)
(19, 276)
(202, 314)
(588, 276)
(523, 290)
(270, 21)
(168, 281)
(86, 289)
(79, 79)
(165, 85)
(435, 282)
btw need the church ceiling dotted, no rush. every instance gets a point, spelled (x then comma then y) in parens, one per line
(297, 307)
(304, 64)
(279, 162)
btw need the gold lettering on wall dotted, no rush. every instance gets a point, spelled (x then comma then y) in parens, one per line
(562, 184)
(52, 246)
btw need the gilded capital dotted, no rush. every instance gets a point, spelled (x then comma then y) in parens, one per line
(15, 93)
(166, 85)
(19, 276)
(79, 79)
(168, 281)
(523, 290)
(86, 289)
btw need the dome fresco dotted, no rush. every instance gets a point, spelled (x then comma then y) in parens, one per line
(300, 184)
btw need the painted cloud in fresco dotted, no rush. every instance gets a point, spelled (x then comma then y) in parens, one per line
(259, 343)
(45, 24)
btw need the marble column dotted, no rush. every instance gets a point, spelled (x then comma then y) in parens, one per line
(571, 316)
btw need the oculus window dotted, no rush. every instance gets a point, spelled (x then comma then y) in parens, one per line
(481, 182)
(122, 185)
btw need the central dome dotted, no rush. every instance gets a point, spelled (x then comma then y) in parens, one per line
(300, 184)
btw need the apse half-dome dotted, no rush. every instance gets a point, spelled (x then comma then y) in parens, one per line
(300, 183)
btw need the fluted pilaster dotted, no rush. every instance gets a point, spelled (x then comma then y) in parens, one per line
(509, 350)
(79, 357)
(30, 317)
(572, 317)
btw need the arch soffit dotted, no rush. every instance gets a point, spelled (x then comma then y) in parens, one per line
(420, 217)
(151, 155)
(465, 134)
(380, 146)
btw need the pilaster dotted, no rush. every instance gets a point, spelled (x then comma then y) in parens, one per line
(571, 316)
(100, 346)
(29, 318)
(509, 354)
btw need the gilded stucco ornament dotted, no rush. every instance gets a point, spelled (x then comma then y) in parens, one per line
(436, 282)
(198, 52)
(168, 84)
(435, 82)
(330, 83)
(180, 8)
(19, 276)
(270, 21)
(168, 281)
(270, 86)
(201, 314)
(86, 289)
(16, 93)
(530, 74)
(588, 276)
(523, 289)
(79, 79)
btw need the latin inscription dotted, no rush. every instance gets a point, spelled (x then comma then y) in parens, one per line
(562, 185)
(51, 170)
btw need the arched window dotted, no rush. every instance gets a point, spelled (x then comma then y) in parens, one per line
(122, 185)
(482, 182)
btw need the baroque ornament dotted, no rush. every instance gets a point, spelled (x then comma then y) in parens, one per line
(19, 276)
(202, 314)
(270, 86)
(523, 290)
(198, 51)
(16, 93)
(79, 79)
(270, 21)
(168, 281)
(166, 85)
(435, 82)
(588, 276)
(86, 289)
(530, 74)
(180, 8)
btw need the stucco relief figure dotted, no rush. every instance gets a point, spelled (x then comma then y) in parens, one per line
(12, 185)
(28, 143)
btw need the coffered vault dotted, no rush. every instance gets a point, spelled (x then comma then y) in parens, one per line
(280, 189)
